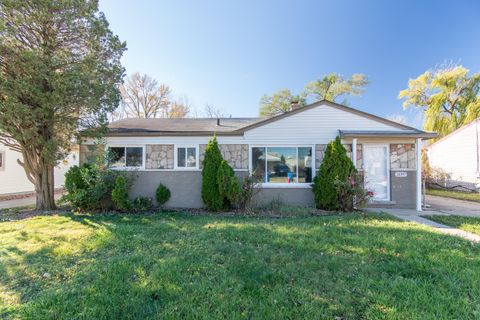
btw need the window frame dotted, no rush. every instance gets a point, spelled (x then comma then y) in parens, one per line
(3, 154)
(175, 157)
(300, 185)
(125, 146)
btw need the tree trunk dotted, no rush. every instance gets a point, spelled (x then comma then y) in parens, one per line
(44, 189)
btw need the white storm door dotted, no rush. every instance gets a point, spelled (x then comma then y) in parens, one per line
(377, 171)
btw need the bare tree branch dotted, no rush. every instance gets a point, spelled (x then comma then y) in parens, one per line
(211, 111)
(143, 97)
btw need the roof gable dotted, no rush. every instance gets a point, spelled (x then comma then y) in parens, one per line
(341, 107)
(320, 123)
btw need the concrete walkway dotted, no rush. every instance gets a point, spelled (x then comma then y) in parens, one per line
(415, 216)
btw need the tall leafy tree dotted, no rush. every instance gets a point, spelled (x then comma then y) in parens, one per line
(449, 97)
(280, 102)
(331, 87)
(59, 74)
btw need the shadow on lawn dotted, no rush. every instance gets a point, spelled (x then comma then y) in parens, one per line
(208, 267)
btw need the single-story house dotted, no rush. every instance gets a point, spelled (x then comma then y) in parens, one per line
(14, 181)
(455, 158)
(284, 150)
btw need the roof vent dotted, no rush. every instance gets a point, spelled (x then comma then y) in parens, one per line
(218, 122)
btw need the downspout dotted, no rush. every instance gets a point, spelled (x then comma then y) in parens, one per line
(354, 160)
(478, 156)
(354, 152)
(419, 175)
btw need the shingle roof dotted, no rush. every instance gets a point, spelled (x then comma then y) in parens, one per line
(229, 126)
(180, 125)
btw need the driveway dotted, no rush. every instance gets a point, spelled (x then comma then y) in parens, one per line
(27, 201)
(453, 206)
(5, 204)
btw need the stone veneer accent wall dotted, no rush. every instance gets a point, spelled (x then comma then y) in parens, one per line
(320, 152)
(88, 152)
(402, 156)
(235, 154)
(159, 156)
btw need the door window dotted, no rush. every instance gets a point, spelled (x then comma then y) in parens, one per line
(376, 171)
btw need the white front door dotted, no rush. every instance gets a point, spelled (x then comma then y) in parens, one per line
(377, 171)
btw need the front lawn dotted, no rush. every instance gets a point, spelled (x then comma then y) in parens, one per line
(208, 267)
(469, 196)
(469, 224)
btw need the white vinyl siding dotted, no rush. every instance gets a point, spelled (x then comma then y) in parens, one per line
(457, 154)
(13, 178)
(316, 126)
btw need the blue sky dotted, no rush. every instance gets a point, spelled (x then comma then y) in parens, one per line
(230, 53)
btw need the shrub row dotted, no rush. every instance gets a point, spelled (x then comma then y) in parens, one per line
(95, 187)
(336, 187)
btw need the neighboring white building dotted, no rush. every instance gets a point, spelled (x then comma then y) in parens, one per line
(457, 155)
(12, 176)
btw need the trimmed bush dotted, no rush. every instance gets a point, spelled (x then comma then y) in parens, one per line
(351, 193)
(228, 187)
(89, 187)
(220, 187)
(162, 194)
(120, 195)
(248, 190)
(74, 179)
(335, 170)
(142, 204)
(210, 191)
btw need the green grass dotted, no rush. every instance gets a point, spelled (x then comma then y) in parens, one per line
(170, 266)
(470, 196)
(469, 224)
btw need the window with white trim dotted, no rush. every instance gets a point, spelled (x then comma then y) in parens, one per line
(126, 157)
(187, 157)
(2, 160)
(282, 164)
